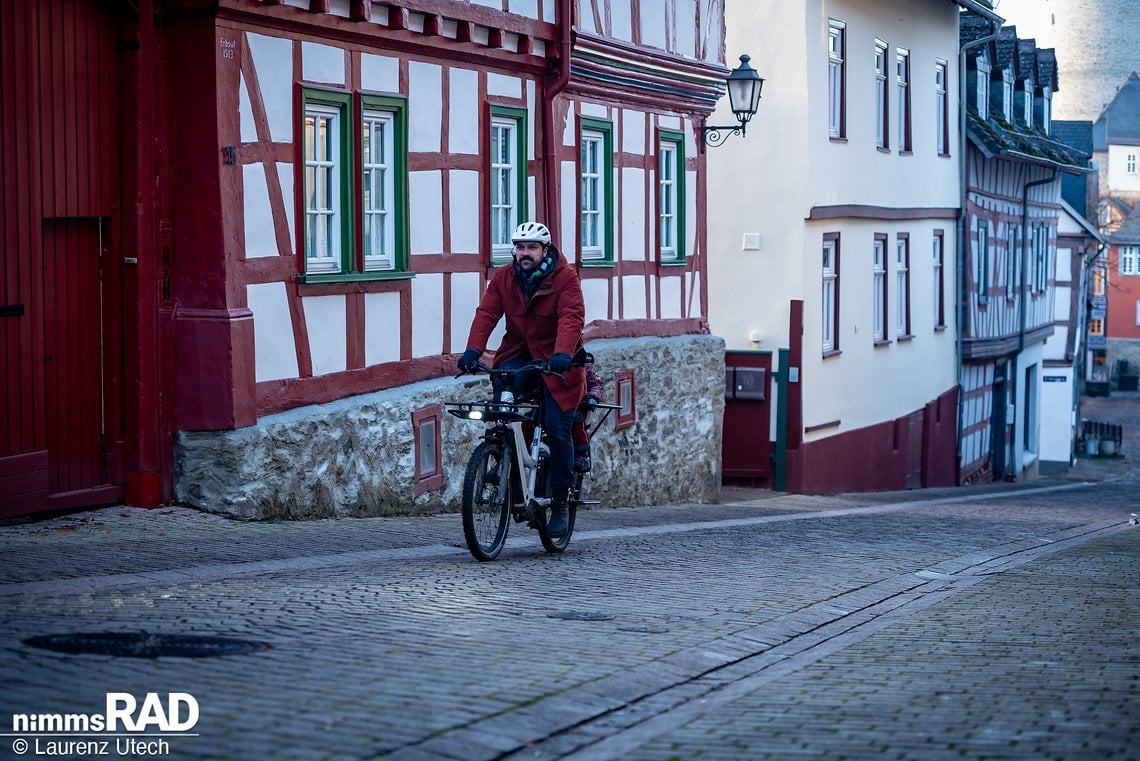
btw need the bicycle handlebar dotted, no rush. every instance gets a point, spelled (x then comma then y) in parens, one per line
(534, 364)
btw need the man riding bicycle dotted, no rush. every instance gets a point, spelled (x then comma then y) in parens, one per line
(541, 298)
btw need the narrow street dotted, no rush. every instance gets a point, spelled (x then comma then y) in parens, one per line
(997, 621)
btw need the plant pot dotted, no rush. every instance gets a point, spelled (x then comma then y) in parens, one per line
(1092, 447)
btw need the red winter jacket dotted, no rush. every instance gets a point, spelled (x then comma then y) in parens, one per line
(550, 322)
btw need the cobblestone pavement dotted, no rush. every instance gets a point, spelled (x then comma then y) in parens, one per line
(998, 621)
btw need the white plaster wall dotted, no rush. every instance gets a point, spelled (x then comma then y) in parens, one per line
(465, 295)
(327, 324)
(260, 239)
(1058, 416)
(670, 297)
(425, 205)
(653, 30)
(427, 314)
(273, 61)
(631, 245)
(285, 177)
(463, 119)
(633, 297)
(322, 63)
(379, 73)
(381, 328)
(245, 113)
(685, 32)
(596, 294)
(425, 107)
(275, 351)
(569, 211)
(501, 84)
(594, 111)
(528, 8)
(633, 131)
(1120, 181)
(464, 204)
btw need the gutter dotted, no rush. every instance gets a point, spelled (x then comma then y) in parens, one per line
(963, 151)
(560, 79)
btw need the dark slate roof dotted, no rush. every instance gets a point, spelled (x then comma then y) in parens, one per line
(997, 137)
(1129, 231)
(1119, 123)
(1047, 69)
(1004, 46)
(1077, 134)
(972, 27)
(1027, 58)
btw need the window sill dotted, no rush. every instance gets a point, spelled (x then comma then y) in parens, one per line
(906, 153)
(905, 337)
(881, 342)
(943, 155)
(832, 353)
(355, 277)
(331, 285)
(882, 149)
(939, 328)
(595, 263)
(672, 262)
(838, 139)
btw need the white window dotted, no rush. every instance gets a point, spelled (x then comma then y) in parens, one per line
(941, 109)
(1012, 257)
(879, 287)
(830, 295)
(1130, 260)
(882, 99)
(1007, 95)
(378, 188)
(504, 186)
(983, 264)
(836, 77)
(902, 82)
(670, 196)
(902, 287)
(1028, 93)
(322, 188)
(593, 195)
(939, 289)
(1040, 258)
(982, 87)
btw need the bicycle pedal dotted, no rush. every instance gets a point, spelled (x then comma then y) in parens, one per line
(587, 502)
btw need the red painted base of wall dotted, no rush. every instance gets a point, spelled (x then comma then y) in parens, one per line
(144, 489)
(876, 458)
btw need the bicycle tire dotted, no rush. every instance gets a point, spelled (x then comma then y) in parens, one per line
(556, 544)
(487, 496)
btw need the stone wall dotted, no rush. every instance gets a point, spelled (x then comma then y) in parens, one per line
(354, 456)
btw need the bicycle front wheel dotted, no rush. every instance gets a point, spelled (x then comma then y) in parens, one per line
(487, 496)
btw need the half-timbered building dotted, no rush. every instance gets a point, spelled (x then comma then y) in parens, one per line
(1013, 210)
(275, 219)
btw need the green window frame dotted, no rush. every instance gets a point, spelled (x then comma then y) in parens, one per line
(596, 203)
(354, 186)
(508, 205)
(671, 198)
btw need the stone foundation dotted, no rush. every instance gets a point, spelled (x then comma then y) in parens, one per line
(354, 457)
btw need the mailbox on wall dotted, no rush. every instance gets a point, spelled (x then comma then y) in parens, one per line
(745, 383)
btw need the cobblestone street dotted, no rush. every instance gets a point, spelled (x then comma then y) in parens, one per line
(997, 621)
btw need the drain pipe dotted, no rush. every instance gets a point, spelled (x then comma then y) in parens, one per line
(960, 250)
(558, 81)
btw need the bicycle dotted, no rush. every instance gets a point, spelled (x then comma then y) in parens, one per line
(506, 475)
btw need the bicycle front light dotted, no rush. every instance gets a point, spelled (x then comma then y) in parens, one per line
(475, 415)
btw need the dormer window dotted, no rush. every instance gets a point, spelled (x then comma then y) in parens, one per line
(982, 81)
(1043, 110)
(1007, 95)
(1028, 108)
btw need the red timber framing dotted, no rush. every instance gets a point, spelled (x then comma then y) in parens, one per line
(80, 383)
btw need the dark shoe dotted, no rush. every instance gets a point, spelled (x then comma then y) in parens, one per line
(556, 524)
(582, 464)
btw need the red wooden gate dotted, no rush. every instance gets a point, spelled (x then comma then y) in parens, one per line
(747, 416)
(60, 182)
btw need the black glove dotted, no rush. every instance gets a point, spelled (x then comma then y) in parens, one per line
(559, 363)
(591, 403)
(469, 361)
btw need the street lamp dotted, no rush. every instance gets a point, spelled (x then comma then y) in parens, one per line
(744, 86)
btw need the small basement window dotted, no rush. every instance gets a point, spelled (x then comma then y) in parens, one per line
(429, 464)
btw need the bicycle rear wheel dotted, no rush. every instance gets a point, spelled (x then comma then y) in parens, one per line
(556, 543)
(487, 497)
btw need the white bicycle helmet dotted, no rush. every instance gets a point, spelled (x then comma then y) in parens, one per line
(531, 231)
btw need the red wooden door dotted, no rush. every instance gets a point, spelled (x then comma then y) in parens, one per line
(75, 353)
(61, 351)
(747, 416)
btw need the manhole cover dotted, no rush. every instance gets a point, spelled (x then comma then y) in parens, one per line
(144, 644)
(581, 615)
